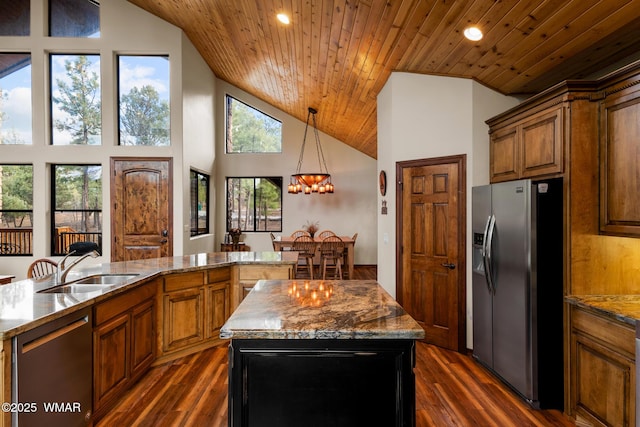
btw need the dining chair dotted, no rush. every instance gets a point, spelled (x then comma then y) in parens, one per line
(331, 253)
(41, 267)
(306, 248)
(325, 233)
(299, 233)
(273, 238)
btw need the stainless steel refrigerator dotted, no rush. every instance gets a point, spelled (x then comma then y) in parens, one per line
(517, 260)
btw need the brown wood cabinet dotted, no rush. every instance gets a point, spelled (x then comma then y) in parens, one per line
(195, 305)
(248, 275)
(603, 379)
(528, 145)
(619, 157)
(123, 343)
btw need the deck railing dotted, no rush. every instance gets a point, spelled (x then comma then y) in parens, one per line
(66, 238)
(19, 241)
(16, 241)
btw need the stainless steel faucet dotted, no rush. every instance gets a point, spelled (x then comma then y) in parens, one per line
(62, 270)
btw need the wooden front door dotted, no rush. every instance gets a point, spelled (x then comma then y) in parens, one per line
(141, 213)
(431, 247)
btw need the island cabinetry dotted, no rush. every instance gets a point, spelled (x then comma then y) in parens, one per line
(602, 369)
(195, 305)
(5, 383)
(248, 275)
(123, 343)
(619, 155)
(529, 145)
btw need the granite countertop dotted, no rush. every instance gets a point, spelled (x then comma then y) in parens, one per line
(318, 309)
(625, 308)
(23, 307)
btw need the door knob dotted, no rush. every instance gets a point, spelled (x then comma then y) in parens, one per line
(449, 266)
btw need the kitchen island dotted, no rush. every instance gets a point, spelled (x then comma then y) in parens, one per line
(318, 353)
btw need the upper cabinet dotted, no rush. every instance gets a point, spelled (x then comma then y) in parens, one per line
(529, 146)
(620, 158)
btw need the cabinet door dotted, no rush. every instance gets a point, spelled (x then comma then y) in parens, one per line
(602, 373)
(541, 150)
(503, 149)
(603, 384)
(110, 360)
(619, 168)
(143, 319)
(183, 318)
(218, 307)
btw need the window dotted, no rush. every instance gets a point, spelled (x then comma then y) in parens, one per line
(77, 206)
(74, 18)
(16, 209)
(75, 100)
(15, 98)
(250, 130)
(14, 17)
(199, 203)
(143, 86)
(254, 204)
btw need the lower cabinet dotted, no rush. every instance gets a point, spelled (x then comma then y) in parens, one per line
(248, 275)
(123, 344)
(602, 370)
(326, 382)
(195, 305)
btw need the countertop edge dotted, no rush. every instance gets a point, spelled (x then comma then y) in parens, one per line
(146, 274)
(624, 308)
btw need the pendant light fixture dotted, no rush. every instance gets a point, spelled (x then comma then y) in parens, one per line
(311, 182)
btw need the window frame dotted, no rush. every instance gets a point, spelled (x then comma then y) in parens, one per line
(53, 203)
(193, 204)
(229, 220)
(227, 99)
(30, 252)
(52, 123)
(119, 97)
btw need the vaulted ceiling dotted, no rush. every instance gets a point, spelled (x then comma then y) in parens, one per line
(336, 55)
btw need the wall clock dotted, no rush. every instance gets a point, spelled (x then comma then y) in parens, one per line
(383, 183)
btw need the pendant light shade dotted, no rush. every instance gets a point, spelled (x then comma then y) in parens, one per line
(311, 182)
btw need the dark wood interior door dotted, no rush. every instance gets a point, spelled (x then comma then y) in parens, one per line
(431, 264)
(141, 212)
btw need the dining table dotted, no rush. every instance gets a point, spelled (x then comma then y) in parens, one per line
(281, 243)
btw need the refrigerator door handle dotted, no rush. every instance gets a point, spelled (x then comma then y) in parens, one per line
(484, 253)
(491, 226)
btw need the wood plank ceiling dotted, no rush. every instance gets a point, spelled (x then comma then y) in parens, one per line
(336, 55)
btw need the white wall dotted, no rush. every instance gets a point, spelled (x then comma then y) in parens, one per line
(349, 210)
(125, 29)
(198, 109)
(422, 117)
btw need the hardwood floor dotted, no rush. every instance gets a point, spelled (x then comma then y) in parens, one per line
(451, 390)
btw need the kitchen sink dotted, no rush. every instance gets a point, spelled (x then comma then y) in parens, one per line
(105, 279)
(98, 282)
(78, 289)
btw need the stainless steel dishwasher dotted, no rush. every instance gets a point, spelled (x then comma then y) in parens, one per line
(52, 373)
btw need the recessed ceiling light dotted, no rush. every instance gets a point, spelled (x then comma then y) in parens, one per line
(282, 17)
(473, 33)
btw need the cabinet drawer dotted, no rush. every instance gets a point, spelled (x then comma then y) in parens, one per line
(257, 272)
(616, 334)
(121, 303)
(219, 275)
(176, 282)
